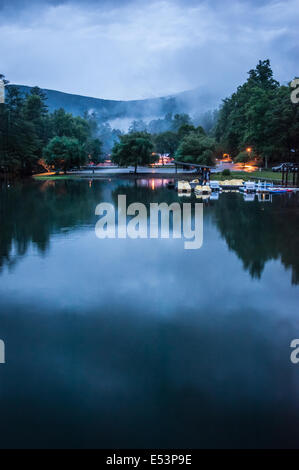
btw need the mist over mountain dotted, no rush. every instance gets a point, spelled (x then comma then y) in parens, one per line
(120, 113)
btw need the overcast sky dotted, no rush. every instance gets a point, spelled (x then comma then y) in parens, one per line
(124, 49)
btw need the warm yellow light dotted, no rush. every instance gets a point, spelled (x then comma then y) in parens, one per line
(249, 149)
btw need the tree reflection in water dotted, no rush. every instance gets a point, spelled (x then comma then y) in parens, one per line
(32, 211)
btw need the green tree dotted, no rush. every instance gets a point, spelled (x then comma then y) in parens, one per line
(93, 149)
(166, 142)
(21, 146)
(64, 153)
(26, 129)
(36, 112)
(134, 149)
(187, 129)
(260, 115)
(65, 124)
(196, 148)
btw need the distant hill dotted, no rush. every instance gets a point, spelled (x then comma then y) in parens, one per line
(192, 102)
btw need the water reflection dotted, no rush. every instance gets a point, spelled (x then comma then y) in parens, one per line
(140, 343)
(259, 231)
(32, 211)
(258, 228)
(153, 183)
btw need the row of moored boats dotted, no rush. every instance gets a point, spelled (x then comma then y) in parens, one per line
(249, 187)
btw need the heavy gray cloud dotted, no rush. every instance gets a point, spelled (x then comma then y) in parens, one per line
(140, 48)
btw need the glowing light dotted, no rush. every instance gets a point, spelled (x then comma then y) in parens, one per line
(249, 149)
(48, 173)
(250, 168)
(225, 158)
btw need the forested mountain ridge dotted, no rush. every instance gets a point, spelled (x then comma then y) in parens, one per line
(186, 102)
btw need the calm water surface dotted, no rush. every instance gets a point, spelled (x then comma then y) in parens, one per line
(141, 343)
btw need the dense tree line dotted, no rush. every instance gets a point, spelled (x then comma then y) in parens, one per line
(184, 142)
(30, 137)
(259, 120)
(260, 116)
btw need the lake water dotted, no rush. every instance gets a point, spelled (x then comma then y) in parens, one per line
(123, 343)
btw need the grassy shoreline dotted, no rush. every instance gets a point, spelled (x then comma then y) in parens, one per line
(260, 175)
(256, 175)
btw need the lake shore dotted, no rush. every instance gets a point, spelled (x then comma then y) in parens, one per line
(263, 175)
